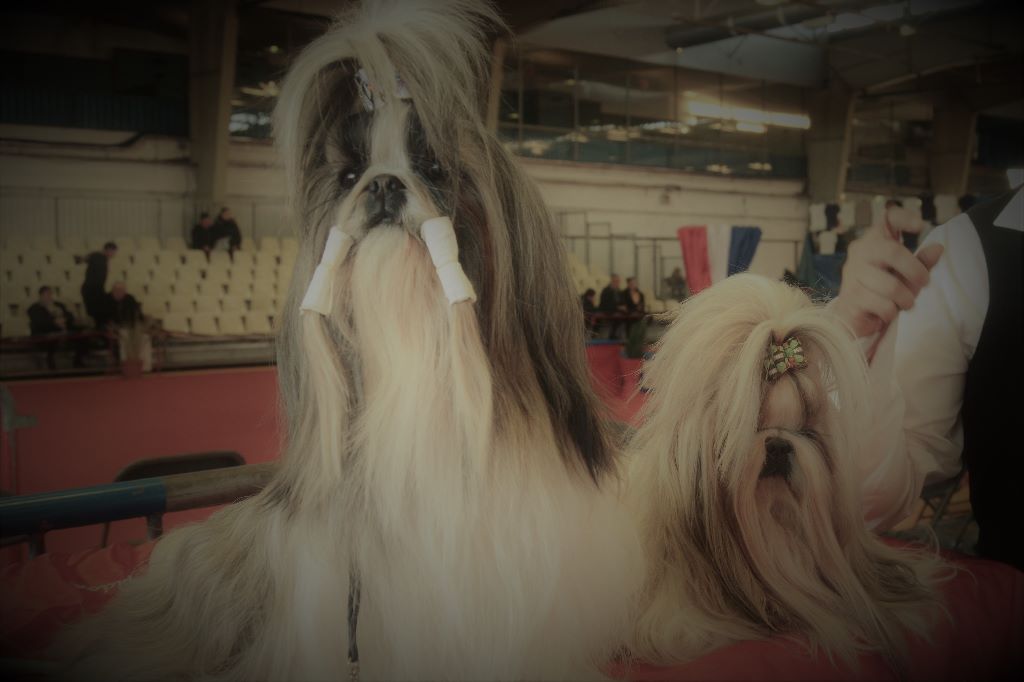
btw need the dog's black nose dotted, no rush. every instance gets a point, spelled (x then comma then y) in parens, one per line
(385, 199)
(778, 454)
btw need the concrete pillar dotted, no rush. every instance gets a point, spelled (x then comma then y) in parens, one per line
(949, 159)
(828, 142)
(213, 27)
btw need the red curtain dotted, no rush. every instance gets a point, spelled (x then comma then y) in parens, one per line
(693, 239)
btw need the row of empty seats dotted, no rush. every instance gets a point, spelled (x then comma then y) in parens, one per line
(79, 244)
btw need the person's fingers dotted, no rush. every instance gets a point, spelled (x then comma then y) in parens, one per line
(930, 255)
(877, 306)
(891, 255)
(889, 286)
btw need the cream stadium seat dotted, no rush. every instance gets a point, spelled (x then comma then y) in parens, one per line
(212, 288)
(34, 259)
(175, 244)
(219, 260)
(64, 258)
(139, 271)
(656, 306)
(53, 275)
(207, 304)
(176, 323)
(289, 245)
(125, 244)
(143, 257)
(258, 323)
(17, 243)
(241, 289)
(180, 304)
(265, 260)
(194, 259)
(149, 244)
(672, 306)
(262, 304)
(233, 304)
(231, 324)
(270, 245)
(16, 325)
(243, 259)
(167, 271)
(166, 257)
(218, 274)
(159, 286)
(158, 304)
(75, 243)
(41, 242)
(263, 288)
(205, 324)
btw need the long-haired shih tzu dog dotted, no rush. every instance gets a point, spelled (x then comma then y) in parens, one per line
(744, 478)
(447, 506)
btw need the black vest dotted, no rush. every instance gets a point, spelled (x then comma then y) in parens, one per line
(993, 408)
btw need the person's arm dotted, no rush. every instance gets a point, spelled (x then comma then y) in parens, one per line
(917, 375)
(881, 278)
(40, 321)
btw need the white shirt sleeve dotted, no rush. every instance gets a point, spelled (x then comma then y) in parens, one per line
(917, 379)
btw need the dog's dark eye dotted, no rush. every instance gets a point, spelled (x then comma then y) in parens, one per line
(434, 171)
(348, 177)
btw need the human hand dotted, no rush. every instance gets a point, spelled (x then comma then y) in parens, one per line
(881, 277)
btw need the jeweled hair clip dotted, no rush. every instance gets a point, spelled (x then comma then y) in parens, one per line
(783, 357)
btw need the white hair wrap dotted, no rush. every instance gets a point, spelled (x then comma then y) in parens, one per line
(439, 236)
(321, 288)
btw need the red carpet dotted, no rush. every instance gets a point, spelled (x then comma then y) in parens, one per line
(88, 429)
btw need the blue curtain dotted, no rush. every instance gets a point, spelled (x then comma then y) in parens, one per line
(742, 245)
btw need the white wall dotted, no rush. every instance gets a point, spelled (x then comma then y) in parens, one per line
(78, 185)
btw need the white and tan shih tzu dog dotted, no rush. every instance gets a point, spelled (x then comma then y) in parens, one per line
(447, 506)
(743, 477)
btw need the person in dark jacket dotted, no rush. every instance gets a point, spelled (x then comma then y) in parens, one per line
(95, 286)
(611, 303)
(587, 300)
(51, 320)
(633, 300)
(120, 309)
(226, 227)
(203, 234)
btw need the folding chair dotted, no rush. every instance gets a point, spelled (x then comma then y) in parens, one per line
(157, 467)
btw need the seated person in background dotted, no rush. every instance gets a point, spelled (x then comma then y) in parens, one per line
(676, 285)
(49, 318)
(203, 235)
(611, 303)
(120, 309)
(226, 227)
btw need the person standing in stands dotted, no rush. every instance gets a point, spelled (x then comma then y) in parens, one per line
(94, 289)
(51, 319)
(587, 300)
(633, 299)
(611, 303)
(203, 234)
(226, 227)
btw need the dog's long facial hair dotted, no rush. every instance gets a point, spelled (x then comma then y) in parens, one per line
(451, 453)
(746, 489)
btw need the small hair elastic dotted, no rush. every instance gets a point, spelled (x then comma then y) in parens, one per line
(371, 96)
(783, 357)
(439, 236)
(320, 292)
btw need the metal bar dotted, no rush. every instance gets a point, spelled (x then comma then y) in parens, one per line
(26, 514)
